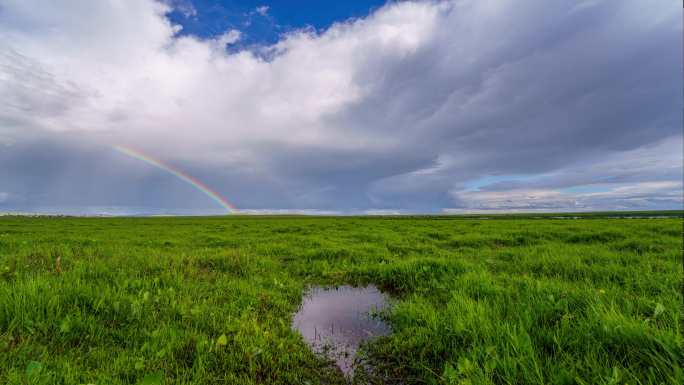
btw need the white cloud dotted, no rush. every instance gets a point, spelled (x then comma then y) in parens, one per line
(229, 37)
(187, 9)
(121, 71)
(635, 196)
(262, 10)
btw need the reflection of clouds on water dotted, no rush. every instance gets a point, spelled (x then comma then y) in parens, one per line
(334, 322)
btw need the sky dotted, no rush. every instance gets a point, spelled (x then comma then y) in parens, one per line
(363, 107)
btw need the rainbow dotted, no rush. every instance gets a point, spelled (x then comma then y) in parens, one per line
(136, 154)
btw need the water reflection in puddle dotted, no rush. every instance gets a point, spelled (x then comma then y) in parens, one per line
(336, 321)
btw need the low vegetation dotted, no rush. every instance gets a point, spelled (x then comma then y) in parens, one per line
(505, 300)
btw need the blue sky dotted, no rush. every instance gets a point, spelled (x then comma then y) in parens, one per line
(263, 22)
(340, 107)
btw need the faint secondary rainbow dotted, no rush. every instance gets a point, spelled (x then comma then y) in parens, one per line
(136, 154)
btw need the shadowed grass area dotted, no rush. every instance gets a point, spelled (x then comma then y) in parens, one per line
(509, 300)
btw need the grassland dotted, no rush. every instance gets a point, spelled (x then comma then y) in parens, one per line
(209, 300)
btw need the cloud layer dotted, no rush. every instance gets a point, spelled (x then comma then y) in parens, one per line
(562, 105)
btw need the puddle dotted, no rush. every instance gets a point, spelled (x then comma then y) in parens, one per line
(335, 321)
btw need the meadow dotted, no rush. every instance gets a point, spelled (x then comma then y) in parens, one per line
(181, 300)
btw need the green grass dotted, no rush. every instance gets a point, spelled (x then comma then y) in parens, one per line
(209, 300)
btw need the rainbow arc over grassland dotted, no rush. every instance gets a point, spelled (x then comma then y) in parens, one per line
(216, 197)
